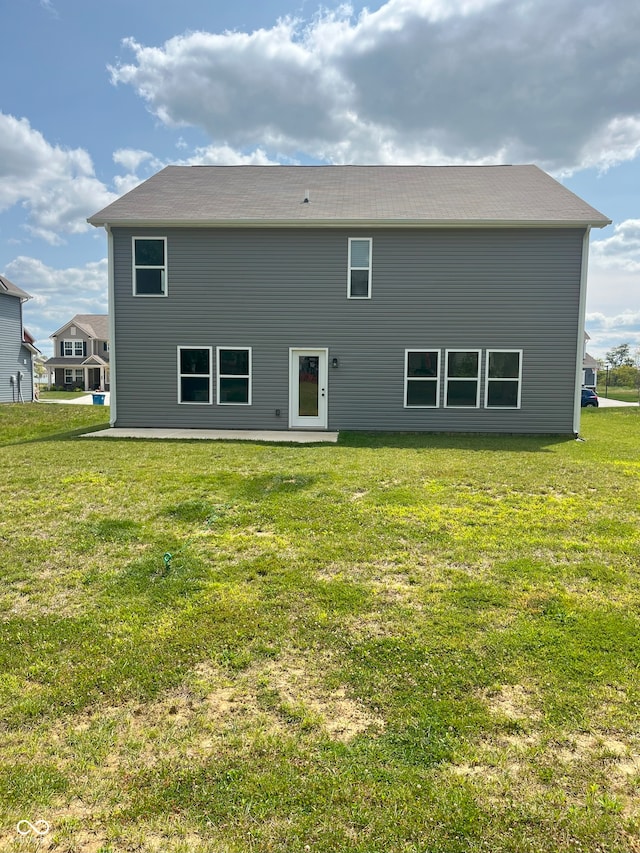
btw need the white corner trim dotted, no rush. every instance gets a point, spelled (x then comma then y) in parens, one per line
(582, 311)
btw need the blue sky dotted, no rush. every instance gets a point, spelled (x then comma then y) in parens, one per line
(95, 97)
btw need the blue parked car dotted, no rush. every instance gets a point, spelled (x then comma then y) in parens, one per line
(589, 397)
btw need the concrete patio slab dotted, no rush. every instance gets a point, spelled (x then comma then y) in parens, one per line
(298, 437)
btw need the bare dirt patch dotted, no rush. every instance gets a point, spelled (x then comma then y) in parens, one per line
(340, 715)
(513, 701)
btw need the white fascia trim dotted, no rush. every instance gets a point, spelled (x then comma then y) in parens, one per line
(352, 223)
(582, 310)
(112, 329)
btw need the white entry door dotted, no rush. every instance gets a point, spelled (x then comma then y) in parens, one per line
(308, 395)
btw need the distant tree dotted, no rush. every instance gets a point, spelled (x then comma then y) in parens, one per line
(620, 356)
(625, 376)
(39, 369)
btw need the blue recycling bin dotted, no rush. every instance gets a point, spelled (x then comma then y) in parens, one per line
(98, 399)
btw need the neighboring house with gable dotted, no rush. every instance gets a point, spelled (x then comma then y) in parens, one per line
(17, 349)
(404, 298)
(81, 354)
(589, 367)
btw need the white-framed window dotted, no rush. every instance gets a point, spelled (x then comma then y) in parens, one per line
(149, 266)
(73, 376)
(72, 348)
(234, 376)
(462, 378)
(421, 378)
(359, 274)
(194, 375)
(504, 379)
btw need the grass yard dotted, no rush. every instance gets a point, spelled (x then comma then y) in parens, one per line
(62, 395)
(613, 392)
(396, 644)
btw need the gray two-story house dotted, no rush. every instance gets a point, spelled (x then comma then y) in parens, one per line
(348, 298)
(17, 350)
(81, 354)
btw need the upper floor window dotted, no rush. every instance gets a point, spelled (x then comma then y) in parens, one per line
(421, 378)
(359, 282)
(234, 376)
(149, 266)
(462, 380)
(73, 348)
(194, 374)
(504, 379)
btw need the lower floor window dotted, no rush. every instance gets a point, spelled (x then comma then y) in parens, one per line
(504, 378)
(194, 374)
(422, 375)
(462, 378)
(73, 377)
(234, 376)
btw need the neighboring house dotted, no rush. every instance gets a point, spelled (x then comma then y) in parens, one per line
(348, 298)
(81, 354)
(589, 367)
(17, 349)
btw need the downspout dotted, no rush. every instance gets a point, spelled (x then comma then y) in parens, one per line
(112, 330)
(582, 313)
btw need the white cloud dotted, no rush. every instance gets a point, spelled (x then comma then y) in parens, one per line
(211, 155)
(131, 158)
(57, 186)
(58, 294)
(613, 293)
(608, 331)
(224, 155)
(622, 249)
(48, 6)
(613, 296)
(86, 285)
(414, 81)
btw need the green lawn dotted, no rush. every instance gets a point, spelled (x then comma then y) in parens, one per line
(62, 395)
(627, 395)
(402, 643)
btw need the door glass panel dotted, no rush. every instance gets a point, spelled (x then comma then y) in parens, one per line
(308, 368)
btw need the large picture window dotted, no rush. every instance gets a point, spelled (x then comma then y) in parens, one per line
(149, 266)
(421, 378)
(359, 281)
(194, 374)
(234, 376)
(462, 383)
(504, 379)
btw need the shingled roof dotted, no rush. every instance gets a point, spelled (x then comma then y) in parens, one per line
(12, 289)
(335, 195)
(96, 325)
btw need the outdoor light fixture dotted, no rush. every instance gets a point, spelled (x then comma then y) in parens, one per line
(334, 362)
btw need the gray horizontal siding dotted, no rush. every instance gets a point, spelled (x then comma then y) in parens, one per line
(14, 356)
(275, 289)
